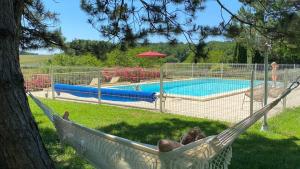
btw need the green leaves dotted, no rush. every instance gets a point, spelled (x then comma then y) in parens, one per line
(134, 21)
(82, 47)
(275, 22)
(35, 26)
(71, 60)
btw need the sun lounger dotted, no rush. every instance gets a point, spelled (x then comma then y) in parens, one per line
(113, 80)
(258, 94)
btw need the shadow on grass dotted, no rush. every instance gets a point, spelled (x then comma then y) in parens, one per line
(64, 156)
(251, 151)
(150, 133)
(255, 151)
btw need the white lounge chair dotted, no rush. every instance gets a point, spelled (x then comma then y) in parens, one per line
(113, 80)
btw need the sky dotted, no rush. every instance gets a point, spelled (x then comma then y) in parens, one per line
(73, 21)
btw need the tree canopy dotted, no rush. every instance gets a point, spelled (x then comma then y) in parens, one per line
(82, 47)
(131, 21)
(35, 26)
(268, 22)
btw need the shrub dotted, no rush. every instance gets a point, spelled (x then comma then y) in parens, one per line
(129, 58)
(130, 74)
(219, 67)
(88, 60)
(37, 82)
(71, 60)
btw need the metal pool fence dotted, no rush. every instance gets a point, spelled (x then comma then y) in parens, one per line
(222, 91)
(225, 92)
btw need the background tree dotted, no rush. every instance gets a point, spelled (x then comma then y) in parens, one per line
(263, 21)
(82, 47)
(23, 24)
(71, 60)
(200, 52)
(240, 53)
(175, 52)
(132, 21)
(257, 23)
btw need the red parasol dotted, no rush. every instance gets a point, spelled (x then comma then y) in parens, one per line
(151, 54)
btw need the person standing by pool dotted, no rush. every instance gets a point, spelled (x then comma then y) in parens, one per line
(274, 66)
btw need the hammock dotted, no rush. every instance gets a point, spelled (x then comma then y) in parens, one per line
(106, 151)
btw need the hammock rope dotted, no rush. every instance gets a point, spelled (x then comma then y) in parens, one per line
(106, 151)
(228, 136)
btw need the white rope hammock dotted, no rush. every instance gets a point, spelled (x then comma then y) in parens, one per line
(106, 151)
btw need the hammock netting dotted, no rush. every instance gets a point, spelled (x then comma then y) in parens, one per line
(110, 152)
(106, 151)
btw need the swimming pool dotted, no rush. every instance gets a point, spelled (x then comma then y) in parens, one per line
(193, 87)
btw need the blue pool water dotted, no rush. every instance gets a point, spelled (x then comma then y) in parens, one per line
(194, 87)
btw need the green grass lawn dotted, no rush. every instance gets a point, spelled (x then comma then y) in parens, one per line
(34, 59)
(279, 148)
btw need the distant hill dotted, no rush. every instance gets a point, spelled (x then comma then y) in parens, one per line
(34, 59)
(27, 53)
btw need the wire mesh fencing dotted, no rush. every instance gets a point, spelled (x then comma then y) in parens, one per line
(36, 78)
(217, 91)
(222, 91)
(116, 86)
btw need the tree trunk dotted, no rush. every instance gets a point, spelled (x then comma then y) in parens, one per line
(20, 143)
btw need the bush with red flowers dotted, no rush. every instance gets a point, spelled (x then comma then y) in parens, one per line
(38, 82)
(130, 74)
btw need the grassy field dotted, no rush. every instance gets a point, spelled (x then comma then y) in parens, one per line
(279, 148)
(34, 59)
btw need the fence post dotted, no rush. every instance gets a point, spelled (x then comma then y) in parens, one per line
(222, 70)
(52, 83)
(99, 87)
(192, 70)
(255, 71)
(266, 66)
(285, 83)
(294, 66)
(166, 69)
(251, 92)
(161, 91)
